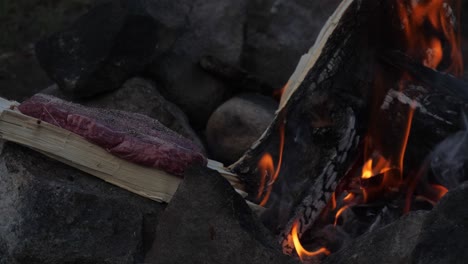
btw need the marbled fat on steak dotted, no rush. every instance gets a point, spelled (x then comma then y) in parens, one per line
(133, 137)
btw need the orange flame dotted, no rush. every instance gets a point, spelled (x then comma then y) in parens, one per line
(333, 201)
(440, 190)
(409, 120)
(364, 195)
(391, 168)
(369, 171)
(434, 194)
(301, 252)
(267, 170)
(339, 213)
(349, 197)
(424, 23)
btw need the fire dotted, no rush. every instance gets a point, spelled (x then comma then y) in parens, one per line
(266, 168)
(434, 54)
(431, 37)
(349, 197)
(301, 252)
(440, 191)
(339, 213)
(333, 201)
(433, 194)
(427, 24)
(382, 166)
(268, 171)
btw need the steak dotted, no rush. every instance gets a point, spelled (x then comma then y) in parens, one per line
(130, 136)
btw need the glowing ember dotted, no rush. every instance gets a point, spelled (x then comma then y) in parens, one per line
(301, 252)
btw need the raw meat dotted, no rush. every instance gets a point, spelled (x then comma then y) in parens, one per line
(133, 137)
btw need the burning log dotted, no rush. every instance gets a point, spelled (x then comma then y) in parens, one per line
(334, 104)
(322, 119)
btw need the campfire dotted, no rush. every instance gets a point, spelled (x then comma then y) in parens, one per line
(350, 140)
(370, 128)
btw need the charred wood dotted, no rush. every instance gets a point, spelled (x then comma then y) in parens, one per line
(438, 82)
(437, 116)
(324, 120)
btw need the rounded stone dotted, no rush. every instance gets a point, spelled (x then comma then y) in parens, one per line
(238, 123)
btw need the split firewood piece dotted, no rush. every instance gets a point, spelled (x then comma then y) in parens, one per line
(322, 117)
(73, 150)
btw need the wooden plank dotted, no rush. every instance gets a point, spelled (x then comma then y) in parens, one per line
(73, 150)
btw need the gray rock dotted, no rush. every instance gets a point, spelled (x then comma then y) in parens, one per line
(214, 27)
(445, 231)
(392, 244)
(139, 95)
(194, 91)
(435, 237)
(20, 75)
(238, 123)
(208, 222)
(52, 213)
(279, 32)
(113, 41)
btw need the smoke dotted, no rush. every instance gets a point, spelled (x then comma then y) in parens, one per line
(449, 160)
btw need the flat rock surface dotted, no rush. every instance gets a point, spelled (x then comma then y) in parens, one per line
(208, 222)
(52, 213)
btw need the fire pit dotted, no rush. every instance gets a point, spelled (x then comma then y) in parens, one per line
(363, 161)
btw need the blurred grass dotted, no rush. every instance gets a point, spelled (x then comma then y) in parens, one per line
(25, 21)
